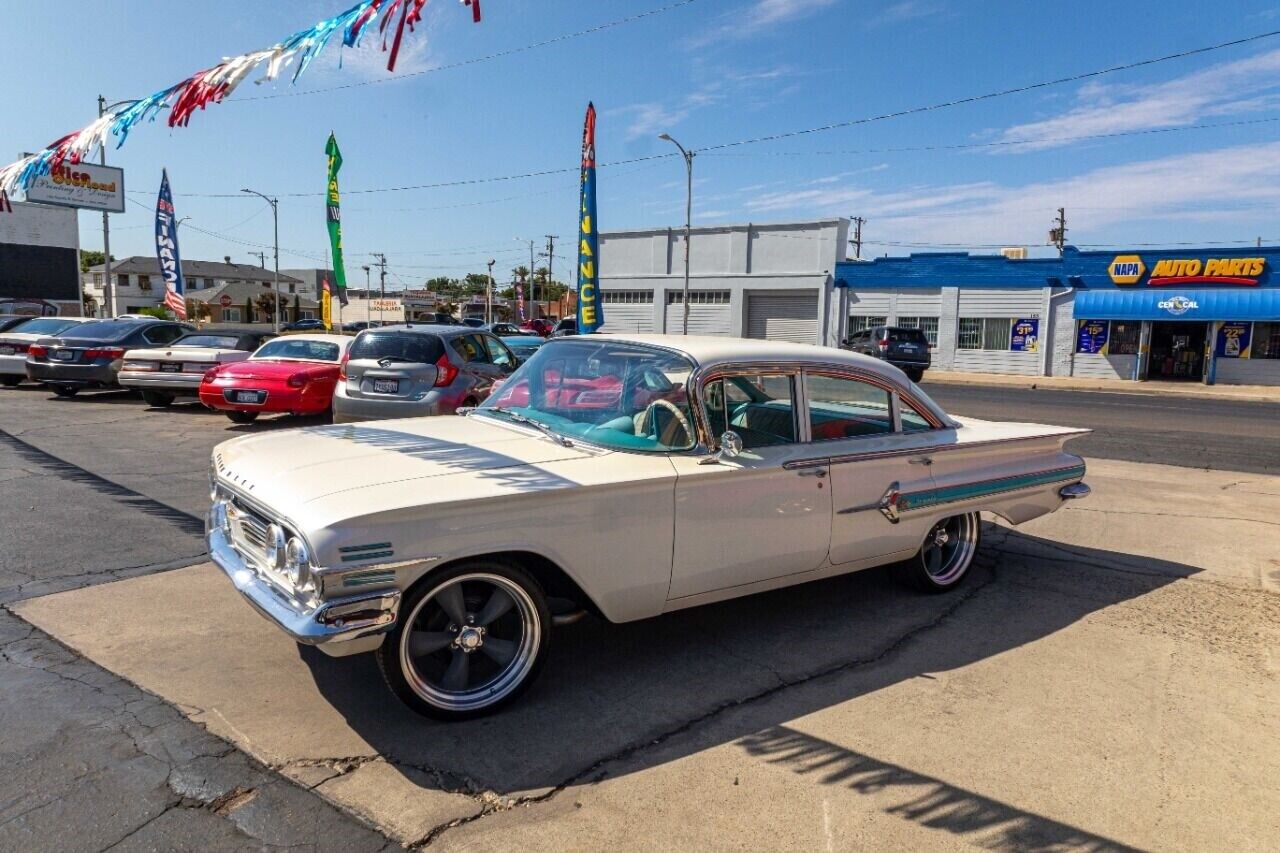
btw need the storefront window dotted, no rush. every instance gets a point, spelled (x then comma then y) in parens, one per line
(985, 333)
(1125, 336)
(928, 325)
(862, 322)
(1266, 340)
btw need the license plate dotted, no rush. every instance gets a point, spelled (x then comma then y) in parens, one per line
(63, 355)
(909, 347)
(170, 367)
(251, 396)
(386, 386)
(7, 350)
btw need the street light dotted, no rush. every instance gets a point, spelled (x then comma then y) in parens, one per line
(688, 220)
(368, 287)
(275, 215)
(108, 287)
(488, 296)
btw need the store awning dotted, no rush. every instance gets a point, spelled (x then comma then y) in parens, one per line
(1175, 304)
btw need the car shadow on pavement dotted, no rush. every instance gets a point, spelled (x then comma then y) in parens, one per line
(617, 699)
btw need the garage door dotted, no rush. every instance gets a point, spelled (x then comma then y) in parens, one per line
(793, 317)
(708, 312)
(627, 311)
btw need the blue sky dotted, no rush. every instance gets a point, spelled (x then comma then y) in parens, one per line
(710, 72)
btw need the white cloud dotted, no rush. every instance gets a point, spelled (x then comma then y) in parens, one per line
(908, 10)
(758, 18)
(1232, 88)
(1236, 183)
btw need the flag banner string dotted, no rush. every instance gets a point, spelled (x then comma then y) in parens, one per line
(216, 84)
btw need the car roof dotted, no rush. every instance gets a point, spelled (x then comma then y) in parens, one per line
(711, 349)
(438, 329)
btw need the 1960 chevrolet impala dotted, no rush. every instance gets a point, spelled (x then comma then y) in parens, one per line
(625, 476)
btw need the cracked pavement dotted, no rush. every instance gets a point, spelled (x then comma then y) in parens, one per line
(846, 713)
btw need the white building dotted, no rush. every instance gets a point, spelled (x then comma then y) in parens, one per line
(770, 281)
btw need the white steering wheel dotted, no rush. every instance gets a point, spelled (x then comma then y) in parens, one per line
(645, 418)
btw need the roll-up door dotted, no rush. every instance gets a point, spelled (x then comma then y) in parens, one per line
(627, 311)
(793, 317)
(709, 312)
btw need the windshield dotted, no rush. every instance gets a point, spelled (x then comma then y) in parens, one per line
(207, 341)
(43, 326)
(294, 349)
(613, 394)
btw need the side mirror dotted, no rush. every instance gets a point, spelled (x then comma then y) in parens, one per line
(730, 447)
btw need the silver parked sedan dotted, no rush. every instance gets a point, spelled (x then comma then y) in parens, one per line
(413, 370)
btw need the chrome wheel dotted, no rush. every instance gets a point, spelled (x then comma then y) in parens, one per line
(470, 642)
(949, 548)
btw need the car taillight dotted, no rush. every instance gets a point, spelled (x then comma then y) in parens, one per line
(104, 352)
(342, 367)
(884, 345)
(210, 375)
(445, 371)
(297, 380)
(19, 349)
(37, 351)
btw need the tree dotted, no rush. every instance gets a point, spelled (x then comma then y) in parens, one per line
(155, 311)
(267, 305)
(199, 311)
(90, 258)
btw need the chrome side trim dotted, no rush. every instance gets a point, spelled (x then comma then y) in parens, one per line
(924, 451)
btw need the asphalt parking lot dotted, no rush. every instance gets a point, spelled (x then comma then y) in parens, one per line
(1106, 680)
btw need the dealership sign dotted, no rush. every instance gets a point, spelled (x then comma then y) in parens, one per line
(1171, 272)
(84, 185)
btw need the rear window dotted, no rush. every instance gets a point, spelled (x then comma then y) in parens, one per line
(299, 350)
(105, 330)
(210, 341)
(906, 336)
(44, 326)
(417, 348)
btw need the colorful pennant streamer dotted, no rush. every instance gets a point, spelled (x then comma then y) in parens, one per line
(216, 84)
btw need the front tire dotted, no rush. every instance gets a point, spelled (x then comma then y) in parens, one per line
(157, 399)
(66, 391)
(944, 559)
(242, 417)
(10, 381)
(470, 640)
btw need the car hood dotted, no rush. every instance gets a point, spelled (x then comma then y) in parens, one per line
(402, 460)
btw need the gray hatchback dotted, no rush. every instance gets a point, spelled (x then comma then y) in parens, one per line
(412, 371)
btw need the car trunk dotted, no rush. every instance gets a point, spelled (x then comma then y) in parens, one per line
(905, 345)
(395, 366)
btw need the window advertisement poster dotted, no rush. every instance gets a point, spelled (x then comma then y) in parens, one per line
(1025, 335)
(1234, 339)
(1093, 337)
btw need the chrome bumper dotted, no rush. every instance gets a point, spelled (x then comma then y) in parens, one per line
(1074, 492)
(339, 621)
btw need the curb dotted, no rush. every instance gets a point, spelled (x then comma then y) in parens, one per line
(1048, 383)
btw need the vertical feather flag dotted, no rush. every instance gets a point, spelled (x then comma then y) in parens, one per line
(590, 311)
(334, 217)
(167, 250)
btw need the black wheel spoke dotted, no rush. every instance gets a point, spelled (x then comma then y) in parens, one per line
(499, 603)
(499, 651)
(933, 559)
(425, 642)
(456, 676)
(451, 601)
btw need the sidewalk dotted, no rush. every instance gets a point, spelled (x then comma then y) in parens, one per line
(1242, 393)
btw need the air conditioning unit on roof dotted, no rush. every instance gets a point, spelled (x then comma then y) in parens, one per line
(1015, 253)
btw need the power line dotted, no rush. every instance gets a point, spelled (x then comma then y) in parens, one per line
(502, 54)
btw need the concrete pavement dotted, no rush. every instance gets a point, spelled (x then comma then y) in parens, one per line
(1093, 686)
(1245, 393)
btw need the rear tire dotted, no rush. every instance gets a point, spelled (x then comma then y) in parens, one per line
(242, 417)
(946, 555)
(67, 391)
(470, 640)
(10, 381)
(157, 399)
(915, 375)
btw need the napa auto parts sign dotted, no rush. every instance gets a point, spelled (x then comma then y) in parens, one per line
(84, 185)
(1172, 272)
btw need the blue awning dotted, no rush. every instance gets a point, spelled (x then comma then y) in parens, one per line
(1175, 304)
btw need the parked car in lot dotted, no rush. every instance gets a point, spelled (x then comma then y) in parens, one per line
(304, 326)
(523, 346)
(413, 371)
(539, 326)
(474, 322)
(361, 325)
(90, 355)
(905, 348)
(509, 330)
(17, 340)
(163, 374)
(292, 375)
(8, 321)
(628, 476)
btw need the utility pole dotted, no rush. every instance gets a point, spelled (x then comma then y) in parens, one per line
(382, 276)
(488, 296)
(108, 286)
(275, 218)
(1058, 234)
(858, 222)
(551, 260)
(261, 256)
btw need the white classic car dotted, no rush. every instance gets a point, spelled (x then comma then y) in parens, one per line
(176, 369)
(623, 476)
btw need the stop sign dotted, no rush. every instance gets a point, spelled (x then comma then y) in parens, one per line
(225, 301)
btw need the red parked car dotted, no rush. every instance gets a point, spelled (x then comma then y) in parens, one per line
(539, 326)
(292, 375)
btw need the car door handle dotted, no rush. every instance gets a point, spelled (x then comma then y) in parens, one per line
(922, 460)
(813, 472)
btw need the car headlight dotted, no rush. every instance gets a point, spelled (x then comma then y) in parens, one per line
(275, 547)
(297, 563)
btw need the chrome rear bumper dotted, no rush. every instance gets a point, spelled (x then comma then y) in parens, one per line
(339, 621)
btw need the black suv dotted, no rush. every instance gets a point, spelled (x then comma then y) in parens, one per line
(907, 349)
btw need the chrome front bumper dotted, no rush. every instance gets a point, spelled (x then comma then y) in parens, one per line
(181, 383)
(345, 620)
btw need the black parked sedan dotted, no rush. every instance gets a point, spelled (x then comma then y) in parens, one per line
(90, 355)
